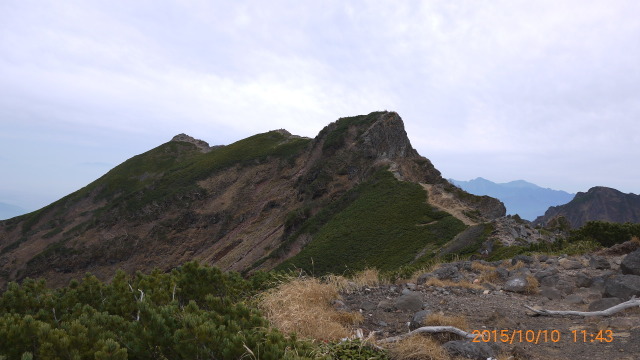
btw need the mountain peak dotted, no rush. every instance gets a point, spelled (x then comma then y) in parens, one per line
(201, 144)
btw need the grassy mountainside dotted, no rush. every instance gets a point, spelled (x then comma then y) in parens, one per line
(381, 223)
(349, 196)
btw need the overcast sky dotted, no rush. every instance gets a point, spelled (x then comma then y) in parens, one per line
(546, 91)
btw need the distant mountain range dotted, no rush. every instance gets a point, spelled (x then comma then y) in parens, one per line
(520, 197)
(7, 211)
(599, 203)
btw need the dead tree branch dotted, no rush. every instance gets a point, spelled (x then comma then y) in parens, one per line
(430, 330)
(607, 312)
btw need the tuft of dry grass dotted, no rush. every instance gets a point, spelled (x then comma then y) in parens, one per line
(478, 266)
(440, 319)
(532, 285)
(417, 347)
(365, 278)
(490, 276)
(635, 239)
(518, 265)
(304, 306)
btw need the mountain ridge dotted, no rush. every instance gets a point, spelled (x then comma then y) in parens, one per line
(520, 197)
(244, 206)
(599, 203)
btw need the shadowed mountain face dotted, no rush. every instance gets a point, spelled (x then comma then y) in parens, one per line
(253, 204)
(520, 197)
(599, 203)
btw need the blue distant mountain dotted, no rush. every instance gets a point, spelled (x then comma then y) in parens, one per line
(7, 211)
(519, 197)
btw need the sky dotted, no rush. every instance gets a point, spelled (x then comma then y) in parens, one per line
(545, 91)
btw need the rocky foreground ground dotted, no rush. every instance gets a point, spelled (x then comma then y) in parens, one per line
(489, 298)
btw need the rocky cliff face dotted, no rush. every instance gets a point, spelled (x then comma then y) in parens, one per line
(232, 206)
(599, 203)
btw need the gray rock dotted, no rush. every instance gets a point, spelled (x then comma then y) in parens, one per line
(448, 273)
(551, 270)
(423, 278)
(604, 303)
(524, 258)
(469, 350)
(418, 319)
(550, 293)
(568, 264)
(339, 305)
(565, 285)
(631, 263)
(583, 280)
(409, 302)
(599, 262)
(368, 305)
(574, 299)
(386, 305)
(622, 286)
(543, 258)
(502, 273)
(551, 280)
(516, 284)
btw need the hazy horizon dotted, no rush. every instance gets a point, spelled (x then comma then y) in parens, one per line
(545, 91)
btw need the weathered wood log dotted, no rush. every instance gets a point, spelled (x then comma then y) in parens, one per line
(430, 330)
(607, 312)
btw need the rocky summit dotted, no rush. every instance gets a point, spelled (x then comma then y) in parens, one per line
(598, 204)
(273, 200)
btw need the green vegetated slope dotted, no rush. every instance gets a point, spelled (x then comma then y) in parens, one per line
(381, 223)
(170, 172)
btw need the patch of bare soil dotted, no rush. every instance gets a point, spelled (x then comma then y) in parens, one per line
(446, 201)
(500, 315)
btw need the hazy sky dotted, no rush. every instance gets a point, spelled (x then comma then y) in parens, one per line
(546, 91)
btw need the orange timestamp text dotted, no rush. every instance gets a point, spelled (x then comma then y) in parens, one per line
(542, 336)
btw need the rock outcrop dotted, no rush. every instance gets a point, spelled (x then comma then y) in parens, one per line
(599, 203)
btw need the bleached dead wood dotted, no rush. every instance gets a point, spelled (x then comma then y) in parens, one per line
(430, 330)
(607, 312)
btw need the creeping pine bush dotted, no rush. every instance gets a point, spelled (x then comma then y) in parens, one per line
(194, 312)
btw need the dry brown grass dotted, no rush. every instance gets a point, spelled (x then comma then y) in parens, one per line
(417, 348)
(440, 319)
(532, 285)
(478, 266)
(518, 265)
(635, 239)
(362, 279)
(490, 276)
(304, 306)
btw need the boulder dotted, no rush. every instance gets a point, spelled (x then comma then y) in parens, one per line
(569, 264)
(516, 284)
(604, 303)
(524, 258)
(448, 273)
(631, 263)
(551, 270)
(622, 286)
(418, 319)
(409, 302)
(574, 299)
(550, 293)
(583, 280)
(599, 262)
(469, 350)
